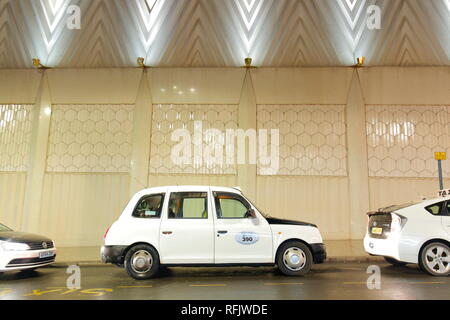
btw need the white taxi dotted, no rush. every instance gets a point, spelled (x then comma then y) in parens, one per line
(206, 226)
(413, 233)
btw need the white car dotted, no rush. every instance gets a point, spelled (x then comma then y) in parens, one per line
(206, 226)
(24, 251)
(412, 233)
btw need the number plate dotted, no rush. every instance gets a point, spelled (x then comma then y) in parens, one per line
(45, 254)
(377, 230)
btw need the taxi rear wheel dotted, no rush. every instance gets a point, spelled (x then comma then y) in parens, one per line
(142, 262)
(435, 259)
(294, 258)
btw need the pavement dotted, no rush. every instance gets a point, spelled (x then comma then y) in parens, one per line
(341, 281)
(344, 251)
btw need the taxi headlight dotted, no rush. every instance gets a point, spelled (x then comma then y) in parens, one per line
(13, 246)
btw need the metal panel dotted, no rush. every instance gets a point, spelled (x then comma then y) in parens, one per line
(15, 131)
(312, 138)
(389, 191)
(12, 191)
(90, 138)
(77, 208)
(402, 139)
(319, 200)
(195, 119)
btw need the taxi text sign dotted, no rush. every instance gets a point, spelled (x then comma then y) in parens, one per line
(440, 156)
(444, 193)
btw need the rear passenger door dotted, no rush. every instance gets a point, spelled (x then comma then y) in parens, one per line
(186, 233)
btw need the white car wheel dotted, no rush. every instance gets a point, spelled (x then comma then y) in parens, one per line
(435, 259)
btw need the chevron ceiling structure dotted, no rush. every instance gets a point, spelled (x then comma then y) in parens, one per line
(221, 33)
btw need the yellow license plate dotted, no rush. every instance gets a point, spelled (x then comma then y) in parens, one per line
(377, 230)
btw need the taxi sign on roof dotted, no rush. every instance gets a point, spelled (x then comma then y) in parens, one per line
(444, 193)
(440, 156)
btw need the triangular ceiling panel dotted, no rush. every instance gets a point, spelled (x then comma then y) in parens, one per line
(221, 33)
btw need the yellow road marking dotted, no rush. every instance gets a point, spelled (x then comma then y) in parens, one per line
(207, 285)
(282, 283)
(429, 282)
(124, 287)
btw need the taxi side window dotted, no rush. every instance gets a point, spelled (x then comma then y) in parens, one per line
(188, 205)
(230, 206)
(149, 206)
(436, 209)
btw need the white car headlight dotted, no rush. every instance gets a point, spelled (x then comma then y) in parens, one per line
(13, 246)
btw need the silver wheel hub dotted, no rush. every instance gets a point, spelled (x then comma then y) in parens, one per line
(437, 258)
(141, 261)
(294, 259)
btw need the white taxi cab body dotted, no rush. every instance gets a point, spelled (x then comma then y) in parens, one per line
(206, 226)
(416, 233)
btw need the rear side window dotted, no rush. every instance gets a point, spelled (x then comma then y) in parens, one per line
(149, 206)
(188, 205)
(436, 209)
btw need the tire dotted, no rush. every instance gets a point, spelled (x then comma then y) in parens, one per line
(434, 259)
(294, 258)
(395, 262)
(142, 262)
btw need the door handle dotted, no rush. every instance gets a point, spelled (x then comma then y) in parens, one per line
(167, 232)
(222, 232)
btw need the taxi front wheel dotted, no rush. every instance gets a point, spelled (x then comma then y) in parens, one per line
(142, 262)
(294, 258)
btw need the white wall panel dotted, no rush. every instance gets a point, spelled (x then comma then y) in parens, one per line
(402, 139)
(320, 200)
(312, 138)
(169, 117)
(196, 85)
(388, 191)
(77, 208)
(90, 138)
(94, 86)
(301, 85)
(19, 86)
(12, 192)
(391, 85)
(15, 130)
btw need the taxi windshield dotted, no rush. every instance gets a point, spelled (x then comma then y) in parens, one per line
(4, 228)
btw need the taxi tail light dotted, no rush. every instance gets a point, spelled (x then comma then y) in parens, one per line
(106, 233)
(398, 222)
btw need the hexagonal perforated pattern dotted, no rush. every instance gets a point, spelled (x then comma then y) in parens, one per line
(312, 138)
(167, 118)
(15, 132)
(90, 138)
(402, 139)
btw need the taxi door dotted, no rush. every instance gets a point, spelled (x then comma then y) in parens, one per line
(187, 228)
(242, 235)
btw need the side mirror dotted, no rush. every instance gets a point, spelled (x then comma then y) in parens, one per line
(250, 214)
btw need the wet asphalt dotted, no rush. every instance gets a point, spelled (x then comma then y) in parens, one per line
(325, 281)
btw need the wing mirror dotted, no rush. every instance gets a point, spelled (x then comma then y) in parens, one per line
(250, 213)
